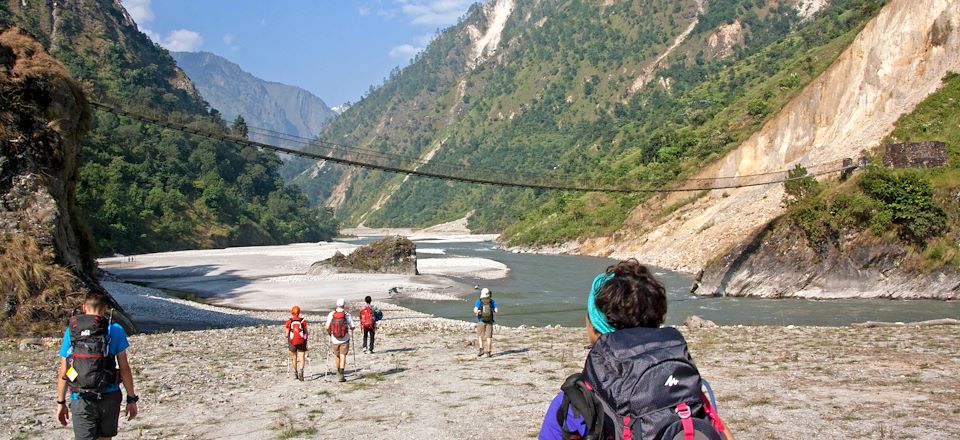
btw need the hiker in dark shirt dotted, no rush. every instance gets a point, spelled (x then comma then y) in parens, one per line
(638, 369)
(369, 315)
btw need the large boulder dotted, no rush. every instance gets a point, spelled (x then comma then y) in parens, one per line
(46, 258)
(389, 255)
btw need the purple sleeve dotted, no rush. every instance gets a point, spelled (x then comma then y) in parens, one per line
(550, 430)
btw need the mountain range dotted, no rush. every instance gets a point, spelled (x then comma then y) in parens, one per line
(263, 104)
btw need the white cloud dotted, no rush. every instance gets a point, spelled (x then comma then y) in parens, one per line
(404, 51)
(228, 38)
(151, 34)
(363, 11)
(424, 39)
(140, 10)
(434, 12)
(182, 40)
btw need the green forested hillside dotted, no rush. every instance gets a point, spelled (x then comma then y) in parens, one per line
(143, 188)
(556, 99)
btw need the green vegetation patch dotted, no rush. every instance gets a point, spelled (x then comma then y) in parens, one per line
(916, 208)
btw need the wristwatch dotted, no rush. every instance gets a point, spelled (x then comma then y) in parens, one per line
(132, 399)
(62, 402)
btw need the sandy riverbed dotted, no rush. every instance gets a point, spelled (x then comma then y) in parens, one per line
(273, 277)
(425, 379)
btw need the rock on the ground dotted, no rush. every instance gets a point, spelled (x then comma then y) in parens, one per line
(694, 321)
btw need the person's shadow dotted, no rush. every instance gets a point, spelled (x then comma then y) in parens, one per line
(511, 351)
(396, 350)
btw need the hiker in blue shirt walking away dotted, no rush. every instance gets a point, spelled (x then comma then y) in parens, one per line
(639, 381)
(93, 364)
(485, 308)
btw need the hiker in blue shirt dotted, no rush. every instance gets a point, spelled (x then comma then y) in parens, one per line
(485, 308)
(642, 371)
(93, 364)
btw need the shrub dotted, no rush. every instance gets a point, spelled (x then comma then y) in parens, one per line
(799, 185)
(908, 197)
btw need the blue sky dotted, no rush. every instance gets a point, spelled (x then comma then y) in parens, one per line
(336, 49)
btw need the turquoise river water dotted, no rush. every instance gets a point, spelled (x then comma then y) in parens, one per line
(552, 289)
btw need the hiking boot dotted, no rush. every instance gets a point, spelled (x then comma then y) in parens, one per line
(480, 353)
(300, 376)
(488, 354)
(340, 377)
(296, 375)
(365, 350)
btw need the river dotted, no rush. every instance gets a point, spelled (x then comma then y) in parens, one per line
(552, 289)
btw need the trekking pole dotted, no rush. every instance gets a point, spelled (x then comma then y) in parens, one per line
(326, 363)
(353, 348)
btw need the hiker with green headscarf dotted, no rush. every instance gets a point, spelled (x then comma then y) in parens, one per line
(638, 380)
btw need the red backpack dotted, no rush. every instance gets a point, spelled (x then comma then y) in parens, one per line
(298, 334)
(338, 325)
(367, 319)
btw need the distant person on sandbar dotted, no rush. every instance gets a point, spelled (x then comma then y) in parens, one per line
(639, 380)
(485, 308)
(295, 332)
(369, 315)
(339, 323)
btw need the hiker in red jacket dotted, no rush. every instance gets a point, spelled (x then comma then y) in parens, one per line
(295, 332)
(339, 324)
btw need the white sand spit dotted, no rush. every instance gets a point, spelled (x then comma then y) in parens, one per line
(273, 277)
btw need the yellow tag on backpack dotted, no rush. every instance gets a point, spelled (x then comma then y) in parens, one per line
(72, 374)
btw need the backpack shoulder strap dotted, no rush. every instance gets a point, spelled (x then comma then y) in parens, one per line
(579, 396)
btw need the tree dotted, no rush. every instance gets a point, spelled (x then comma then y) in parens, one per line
(799, 185)
(239, 127)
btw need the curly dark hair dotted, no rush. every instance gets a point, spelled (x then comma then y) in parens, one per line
(633, 297)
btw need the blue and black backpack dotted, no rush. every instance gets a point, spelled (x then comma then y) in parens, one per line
(640, 384)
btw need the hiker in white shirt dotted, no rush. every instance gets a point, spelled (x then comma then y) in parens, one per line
(339, 324)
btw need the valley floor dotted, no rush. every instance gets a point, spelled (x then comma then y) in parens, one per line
(425, 380)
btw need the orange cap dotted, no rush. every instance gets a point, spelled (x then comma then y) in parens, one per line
(295, 311)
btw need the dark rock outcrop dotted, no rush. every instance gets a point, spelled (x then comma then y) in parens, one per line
(929, 154)
(390, 255)
(46, 257)
(779, 262)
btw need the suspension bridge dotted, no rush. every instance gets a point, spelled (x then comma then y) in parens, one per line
(417, 166)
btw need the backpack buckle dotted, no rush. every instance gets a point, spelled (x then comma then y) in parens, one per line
(683, 411)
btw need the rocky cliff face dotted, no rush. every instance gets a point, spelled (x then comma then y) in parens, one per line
(45, 261)
(895, 62)
(779, 263)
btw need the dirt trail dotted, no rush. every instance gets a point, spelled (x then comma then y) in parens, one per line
(425, 381)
